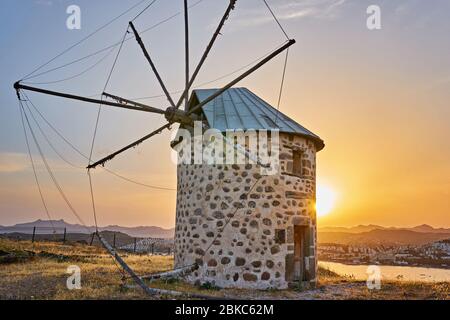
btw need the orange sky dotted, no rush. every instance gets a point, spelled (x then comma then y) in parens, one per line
(379, 100)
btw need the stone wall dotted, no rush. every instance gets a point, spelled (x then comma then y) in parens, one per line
(239, 232)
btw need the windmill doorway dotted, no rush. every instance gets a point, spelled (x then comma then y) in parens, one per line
(300, 233)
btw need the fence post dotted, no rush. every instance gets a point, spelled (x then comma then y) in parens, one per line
(114, 241)
(169, 251)
(134, 245)
(92, 239)
(153, 248)
(64, 237)
(34, 234)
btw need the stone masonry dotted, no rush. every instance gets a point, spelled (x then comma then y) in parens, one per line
(241, 234)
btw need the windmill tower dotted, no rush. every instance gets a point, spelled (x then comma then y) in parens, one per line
(244, 229)
(237, 226)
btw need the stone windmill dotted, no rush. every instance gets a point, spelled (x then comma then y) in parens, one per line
(238, 226)
(243, 228)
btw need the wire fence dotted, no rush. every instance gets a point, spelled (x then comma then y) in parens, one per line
(118, 240)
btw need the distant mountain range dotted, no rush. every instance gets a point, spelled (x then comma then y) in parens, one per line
(362, 234)
(46, 226)
(424, 228)
(378, 235)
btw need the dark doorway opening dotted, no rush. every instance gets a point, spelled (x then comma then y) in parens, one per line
(300, 249)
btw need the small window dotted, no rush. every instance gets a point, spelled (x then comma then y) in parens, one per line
(280, 236)
(297, 162)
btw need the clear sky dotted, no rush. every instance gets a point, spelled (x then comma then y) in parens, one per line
(379, 99)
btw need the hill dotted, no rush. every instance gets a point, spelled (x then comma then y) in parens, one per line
(424, 228)
(46, 227)
(382, 237)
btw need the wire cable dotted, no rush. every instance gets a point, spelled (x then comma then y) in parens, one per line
(48, 140)
(282, 85)
(44, 204)
(32, 75)
(210, 81)
(221, 230)
(76, 75)
(50, 172)
(77, 150)
(96, 128)
(82, 40)
(145, 9)
(276, 19)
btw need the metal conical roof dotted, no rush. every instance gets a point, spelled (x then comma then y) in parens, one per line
(239, 108)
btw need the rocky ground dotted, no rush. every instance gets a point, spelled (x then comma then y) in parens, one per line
(39, 271)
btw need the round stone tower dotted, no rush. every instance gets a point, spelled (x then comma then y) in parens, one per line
(242, 228)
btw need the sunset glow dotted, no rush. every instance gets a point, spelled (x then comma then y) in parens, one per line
(382, 112)
(325, 202)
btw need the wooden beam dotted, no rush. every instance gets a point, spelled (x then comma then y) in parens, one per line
(148, 290)
(131, 145)
(186, 45)
(19, 86)
(152, 65)
(171, 274)
(243, 76)
(207, 51)
(124, 101)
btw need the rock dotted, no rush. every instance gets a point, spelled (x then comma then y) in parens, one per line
(238, 205)
(275, 249)
(254, 224)
(199, 251)
(295, 195)
(212, 263)
(218, 215)
(239, 262)
(265, 276)
(249, 277)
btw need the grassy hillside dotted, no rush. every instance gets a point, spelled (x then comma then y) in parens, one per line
(38, 271)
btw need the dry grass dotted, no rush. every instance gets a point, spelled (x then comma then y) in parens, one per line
(41, 274)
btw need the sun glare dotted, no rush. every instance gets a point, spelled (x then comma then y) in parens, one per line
(325, 201)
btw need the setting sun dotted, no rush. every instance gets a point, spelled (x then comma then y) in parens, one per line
(325, 201)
